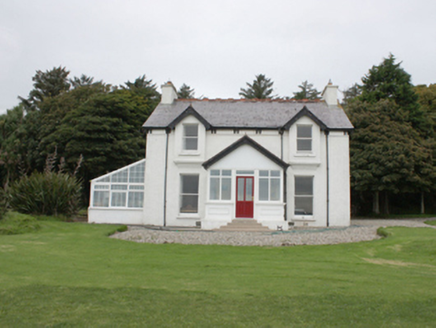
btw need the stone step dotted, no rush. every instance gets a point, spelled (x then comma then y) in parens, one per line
(250, 225)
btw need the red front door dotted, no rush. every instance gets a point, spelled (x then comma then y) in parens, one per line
(244, 197)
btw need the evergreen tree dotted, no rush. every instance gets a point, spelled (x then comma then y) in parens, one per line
(350, 94)
(389, 81)
(387, 153)
(145, 88)
(261, 88)
(47, 84)
(185, 92)
(307, 92)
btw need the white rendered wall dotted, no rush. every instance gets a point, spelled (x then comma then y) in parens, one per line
(154, 178)
(115, 216)
(339, 190)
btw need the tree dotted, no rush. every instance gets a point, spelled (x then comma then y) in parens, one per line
(389, 81)
(261, 88)
(350, 94)
(145, 88)
(427, 101)
(47, 84)
(387, 153)
(185, 92)
(307, 92)
(82, 81)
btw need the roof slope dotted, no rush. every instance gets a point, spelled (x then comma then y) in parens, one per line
(260, 114)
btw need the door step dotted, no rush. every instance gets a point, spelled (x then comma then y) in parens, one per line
(248, 225)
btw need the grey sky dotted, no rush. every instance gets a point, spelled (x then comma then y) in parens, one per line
(213, 46)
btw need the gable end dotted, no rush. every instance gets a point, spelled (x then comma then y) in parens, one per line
(300, 114)
(189, 111)
(245, 140)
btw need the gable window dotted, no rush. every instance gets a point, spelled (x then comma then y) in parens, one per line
(220, 185)
(190, 137)
(303, 195)
(189, 193)
(304, 138)
(269, 185)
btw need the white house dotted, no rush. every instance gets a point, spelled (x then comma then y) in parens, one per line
(282, 163)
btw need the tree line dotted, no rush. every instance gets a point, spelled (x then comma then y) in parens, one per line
(392, 149)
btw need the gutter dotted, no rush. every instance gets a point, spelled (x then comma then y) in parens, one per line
(285, 192)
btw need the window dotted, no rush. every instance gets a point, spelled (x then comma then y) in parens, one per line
(220, 185)
(304, 138)
(303, 196)
(190, 137)
(189, 193)
(269, 185)
(122, 188)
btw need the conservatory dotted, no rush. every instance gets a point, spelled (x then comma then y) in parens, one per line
(118, 194)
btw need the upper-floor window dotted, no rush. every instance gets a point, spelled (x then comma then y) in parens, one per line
(304, 138)
(190, 137)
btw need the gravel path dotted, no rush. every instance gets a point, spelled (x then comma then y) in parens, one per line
(360, 230)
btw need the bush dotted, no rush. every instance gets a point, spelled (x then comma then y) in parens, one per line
(382, 232)
(3, 203)
(46, 193)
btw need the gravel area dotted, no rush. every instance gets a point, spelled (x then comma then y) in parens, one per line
(360, 230)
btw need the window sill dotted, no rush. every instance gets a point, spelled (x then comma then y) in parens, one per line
(188, 216)
(302, 154)
(190, 153)
(305, 218)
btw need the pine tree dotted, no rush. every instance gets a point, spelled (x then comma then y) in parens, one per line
(261, 88)
(307, 92)
(389, 81)
(185, 92)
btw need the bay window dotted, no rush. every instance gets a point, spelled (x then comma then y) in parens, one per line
(220, 185)
(269, 185)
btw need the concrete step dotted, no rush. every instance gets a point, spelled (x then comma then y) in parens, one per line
(250, 225)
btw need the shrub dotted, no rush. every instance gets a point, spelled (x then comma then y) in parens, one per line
(47, 193)
(3, 203)
(382, 232)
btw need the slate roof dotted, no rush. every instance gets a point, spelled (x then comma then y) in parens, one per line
(247, 114)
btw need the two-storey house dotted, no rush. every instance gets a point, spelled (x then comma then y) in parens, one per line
(208, 162)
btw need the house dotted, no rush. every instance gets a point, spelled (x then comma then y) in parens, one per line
(282, 163)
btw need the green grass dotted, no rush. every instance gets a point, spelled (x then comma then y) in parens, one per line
(71, 274)
(431, 222)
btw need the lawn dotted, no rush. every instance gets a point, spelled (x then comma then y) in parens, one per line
(72, 274)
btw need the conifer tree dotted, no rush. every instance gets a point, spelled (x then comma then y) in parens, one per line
(307, 92)
(261, 88)
(185, 92)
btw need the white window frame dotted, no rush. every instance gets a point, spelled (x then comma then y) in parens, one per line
(296, 196)
(185, 137)
(182, 194)
(106, 183)
(270, 178)
(220, 177)
(300, 138)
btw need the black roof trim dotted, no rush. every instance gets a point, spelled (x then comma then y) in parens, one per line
(245, 140)
(189, 111)
(305, 112)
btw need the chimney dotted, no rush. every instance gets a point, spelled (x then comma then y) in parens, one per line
(330, 94)
(169, 93)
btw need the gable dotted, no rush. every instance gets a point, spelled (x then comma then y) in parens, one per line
(245, 151)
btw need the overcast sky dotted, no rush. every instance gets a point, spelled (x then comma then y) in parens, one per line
(214, 46)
